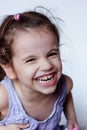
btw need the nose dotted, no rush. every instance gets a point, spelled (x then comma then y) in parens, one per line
(46, 65)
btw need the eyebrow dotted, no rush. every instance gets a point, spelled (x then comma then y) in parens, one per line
(33, 56)
(54, 49)
(28, 57)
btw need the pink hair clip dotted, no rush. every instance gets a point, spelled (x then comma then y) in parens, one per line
(75, 128)
(17, 17)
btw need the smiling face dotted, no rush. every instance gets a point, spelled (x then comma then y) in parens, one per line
(36, 60)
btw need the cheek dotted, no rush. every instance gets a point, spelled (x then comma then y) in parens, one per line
(30, 70)
(59, 65)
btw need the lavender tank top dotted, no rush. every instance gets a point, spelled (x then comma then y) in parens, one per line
(17, 115)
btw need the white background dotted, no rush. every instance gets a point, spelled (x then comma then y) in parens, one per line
(74, 51)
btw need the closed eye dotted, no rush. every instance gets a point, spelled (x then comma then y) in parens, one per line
(52, 54)
(30, 60)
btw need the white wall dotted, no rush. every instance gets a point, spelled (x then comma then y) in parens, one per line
(74, 15)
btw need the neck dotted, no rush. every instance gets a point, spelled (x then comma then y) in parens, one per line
(28, 95)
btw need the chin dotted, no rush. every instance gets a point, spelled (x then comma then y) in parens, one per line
(49, 91)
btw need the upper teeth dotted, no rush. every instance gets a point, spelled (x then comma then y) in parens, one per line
(45, 78)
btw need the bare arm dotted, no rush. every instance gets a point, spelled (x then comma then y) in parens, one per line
(4, 109)
(3, 102)
(14, 127)
(69, 109)
(70, 113)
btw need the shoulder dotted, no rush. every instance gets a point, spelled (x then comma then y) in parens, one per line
(3, 98)
(69, 83)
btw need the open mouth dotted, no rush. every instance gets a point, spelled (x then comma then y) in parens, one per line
(47, 80)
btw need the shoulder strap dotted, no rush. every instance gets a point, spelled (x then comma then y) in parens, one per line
(62, 90)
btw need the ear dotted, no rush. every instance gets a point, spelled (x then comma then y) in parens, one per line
(9, 71)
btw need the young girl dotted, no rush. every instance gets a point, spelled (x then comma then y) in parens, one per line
(33, 90)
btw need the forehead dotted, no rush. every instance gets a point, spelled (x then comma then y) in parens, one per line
(33, 39)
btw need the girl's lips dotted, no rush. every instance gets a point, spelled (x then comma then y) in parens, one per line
(47, 80)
